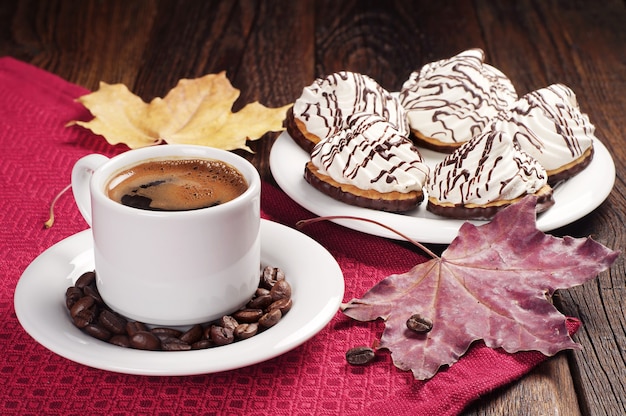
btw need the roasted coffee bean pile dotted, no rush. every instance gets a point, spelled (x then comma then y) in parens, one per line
(88, 311)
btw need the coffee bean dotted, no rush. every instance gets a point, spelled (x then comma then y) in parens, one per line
(93, 292)
(86, 279)
(221, 335)
(419, 324)
(132, 327)
(260, 302)
(84, 317)
(271, 275)
(228, 321)
(98, 331)
(207, 333)
(284, 305)
(82, 304)
(166, 332)
(112, 322)
(203, 344)
(245, 331)
(120, 341)
(144, 340)
(72, 294)
(280, 290)
(261, 291)
(360, 355)
(248, 315)
(270, 319)
(193, 334)
(174, 344)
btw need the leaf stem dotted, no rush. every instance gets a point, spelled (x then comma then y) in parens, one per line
(50, 222)
(303, 223)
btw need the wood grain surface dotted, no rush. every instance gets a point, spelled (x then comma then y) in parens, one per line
(272, 49)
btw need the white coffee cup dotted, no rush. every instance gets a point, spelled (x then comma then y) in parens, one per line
(171, 267)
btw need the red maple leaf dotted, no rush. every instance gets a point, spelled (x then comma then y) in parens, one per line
(494, 282)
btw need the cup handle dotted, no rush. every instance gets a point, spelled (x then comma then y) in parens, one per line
(81, 177)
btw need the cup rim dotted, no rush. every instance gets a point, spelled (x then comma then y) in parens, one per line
(129, 158)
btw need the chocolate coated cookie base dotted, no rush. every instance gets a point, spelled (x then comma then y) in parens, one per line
(544, 201)
(576, 168)
(291, 124)
(433, 144)
(392, 202)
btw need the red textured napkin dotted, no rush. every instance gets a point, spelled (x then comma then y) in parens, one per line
(38, 152)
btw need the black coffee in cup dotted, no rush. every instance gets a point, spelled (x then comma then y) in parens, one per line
(177, 184)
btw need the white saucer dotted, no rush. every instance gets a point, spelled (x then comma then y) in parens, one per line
(317, 285)
(574, 198)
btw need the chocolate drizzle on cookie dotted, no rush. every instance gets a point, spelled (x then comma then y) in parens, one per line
(486, 171)
(452, 100)
(371, 155)
(324, 107)
(548, 125)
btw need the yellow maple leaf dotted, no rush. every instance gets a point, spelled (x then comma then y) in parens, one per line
(195, 111)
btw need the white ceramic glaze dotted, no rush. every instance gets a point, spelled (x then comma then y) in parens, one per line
(574, 198)
(317, 291)
(171, 267)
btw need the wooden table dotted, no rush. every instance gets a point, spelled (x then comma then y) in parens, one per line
(272, 49)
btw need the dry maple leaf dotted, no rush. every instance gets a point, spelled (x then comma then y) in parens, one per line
(196, 111)
(494, 282)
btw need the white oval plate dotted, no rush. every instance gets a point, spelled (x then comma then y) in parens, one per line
(317, 286)
(574, 198)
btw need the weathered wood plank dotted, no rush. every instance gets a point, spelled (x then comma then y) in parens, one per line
(277, 62)
(547, 390)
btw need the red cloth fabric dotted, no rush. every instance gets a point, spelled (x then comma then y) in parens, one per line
(38, 152)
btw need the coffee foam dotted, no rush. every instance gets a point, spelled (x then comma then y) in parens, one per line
(177, 184)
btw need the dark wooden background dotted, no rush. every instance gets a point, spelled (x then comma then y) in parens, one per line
(272, 49)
